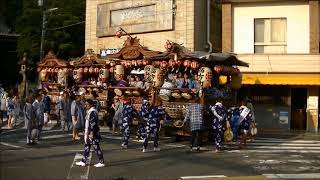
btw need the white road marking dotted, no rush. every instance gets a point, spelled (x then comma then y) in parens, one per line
(86, 176)
(293, 176)
(78, 157)
(200, 177)
(276, 151)
(10, 145)
(285, 140)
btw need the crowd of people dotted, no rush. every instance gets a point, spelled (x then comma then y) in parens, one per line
(76, 114)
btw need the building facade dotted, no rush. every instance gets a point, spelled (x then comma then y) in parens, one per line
(280, 40)
(153, 22)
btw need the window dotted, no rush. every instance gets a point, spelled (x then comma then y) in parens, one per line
(270, 35)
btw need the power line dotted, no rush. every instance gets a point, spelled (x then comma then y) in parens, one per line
(52, 29)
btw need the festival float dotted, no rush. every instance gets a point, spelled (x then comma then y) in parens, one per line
(54, 76)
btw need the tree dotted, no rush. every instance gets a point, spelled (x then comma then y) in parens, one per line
(65, 40)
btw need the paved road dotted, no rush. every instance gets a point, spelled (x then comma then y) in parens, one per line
(54, 158)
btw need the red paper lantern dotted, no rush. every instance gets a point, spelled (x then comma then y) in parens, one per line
(112, 63)
(172, 62)
(163, 64)
(194, 64)
(128, 63)
(123, 63)
(187, 63)
(96, 70)
(139, 62)
(145, 62)
(80, 70)
(91, 70)
(85, 70)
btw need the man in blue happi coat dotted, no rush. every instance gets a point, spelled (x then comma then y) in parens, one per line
(153, 125)
(218, 123)
(126, 121)
(245, 121)
(233, 115)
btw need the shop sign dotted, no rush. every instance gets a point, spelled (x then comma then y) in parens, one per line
(313, 102)
(284, 117)
(105, 52)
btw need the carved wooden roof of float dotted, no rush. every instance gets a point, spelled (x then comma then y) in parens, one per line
(50, 60)
(182, 52)
(88, 59)
(132, 50)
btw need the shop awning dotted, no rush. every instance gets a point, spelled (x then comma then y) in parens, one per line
(281, 79)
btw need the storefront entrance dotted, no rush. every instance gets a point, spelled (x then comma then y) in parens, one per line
(298, 108)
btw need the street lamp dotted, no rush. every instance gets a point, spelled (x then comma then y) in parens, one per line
(44, 19)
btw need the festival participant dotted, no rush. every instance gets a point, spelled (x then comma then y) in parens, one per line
(233, 115)
(39, 110)
(77, 114)
(66, 102)
(10, 110)
(245, 122)
(195, 115)
(30, 118)
(153, 125)
(117, 108)
(91, 135)
(46, 104)
(218, 123)
(126, 121)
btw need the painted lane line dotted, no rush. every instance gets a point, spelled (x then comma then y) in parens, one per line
(83, 176)
(200, 177)
(281, 144)
(11, 145)
(286, 140)
(283, 147)
(77, 158)
(293, 176)
(274, 151)
(86, 176)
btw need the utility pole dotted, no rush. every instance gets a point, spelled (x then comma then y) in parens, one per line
(43, 5)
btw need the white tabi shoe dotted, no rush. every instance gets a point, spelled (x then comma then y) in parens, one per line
(144, 150)
(156, 149)
(99, 165)
(80, 163)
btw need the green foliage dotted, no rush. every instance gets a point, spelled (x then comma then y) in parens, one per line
(65, 42)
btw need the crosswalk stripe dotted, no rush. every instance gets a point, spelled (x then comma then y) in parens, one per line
(273, 145)
(293, 176)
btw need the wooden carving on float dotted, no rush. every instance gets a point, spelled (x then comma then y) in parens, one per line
(88, 59)
(50, 60)
(132, 49)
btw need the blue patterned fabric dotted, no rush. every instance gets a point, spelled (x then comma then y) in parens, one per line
(94, 127)
(153, 125)
(144, 113)
(245, 123)
(219, 113)
(126, 121)
(233, 115)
